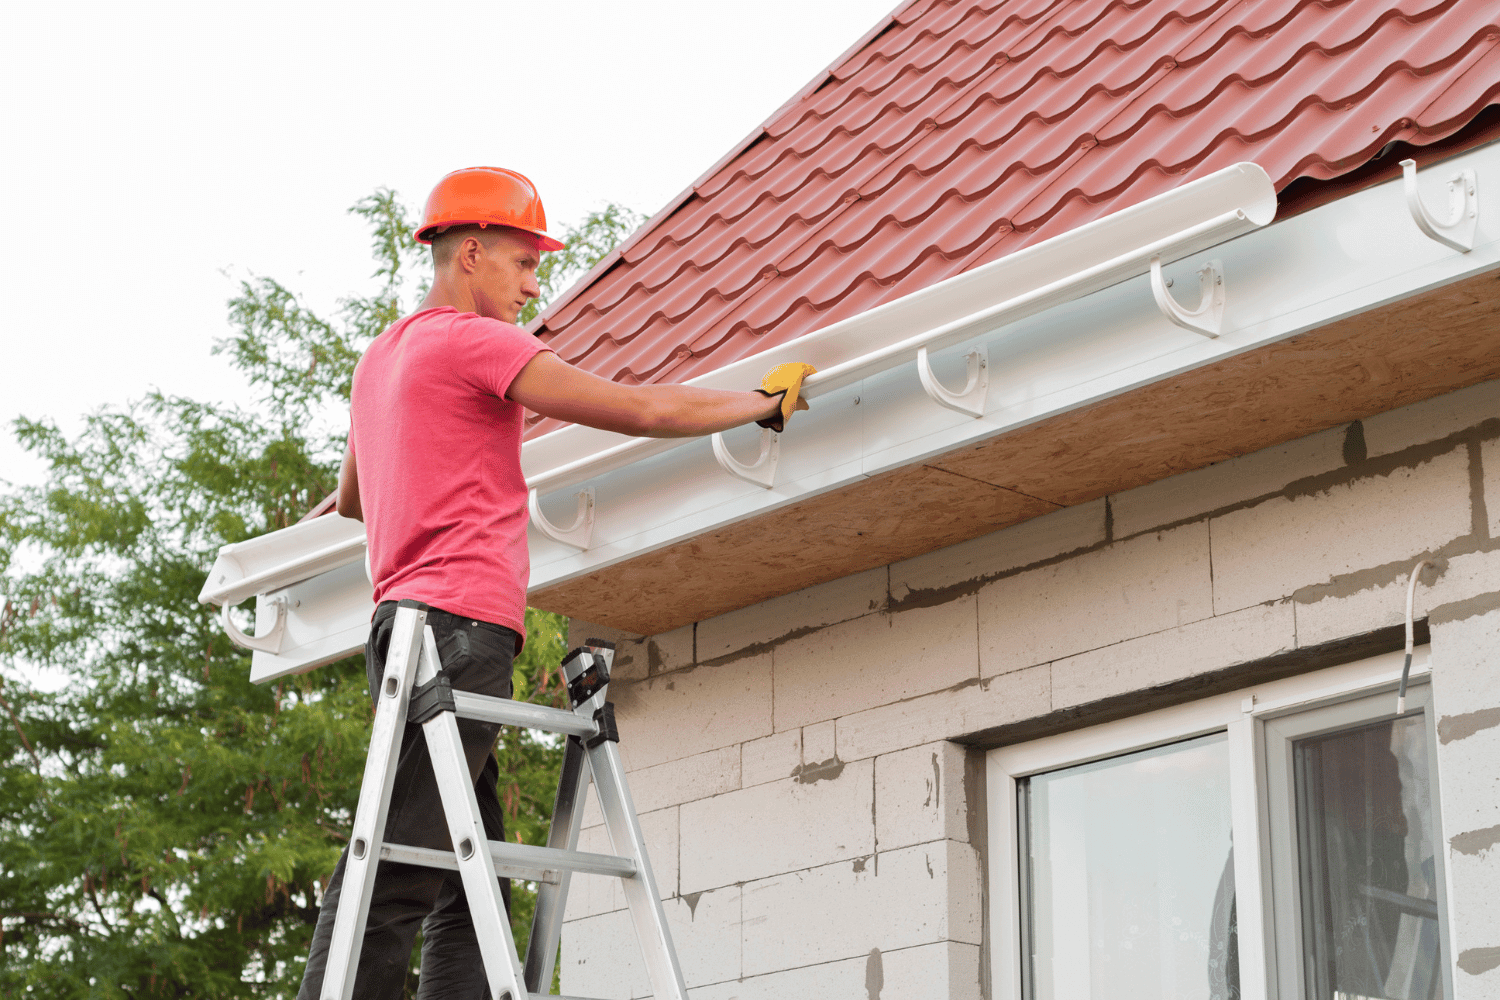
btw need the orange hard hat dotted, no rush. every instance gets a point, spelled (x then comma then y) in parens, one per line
(485, 196)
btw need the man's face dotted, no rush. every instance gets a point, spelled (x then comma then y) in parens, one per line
(505, 275)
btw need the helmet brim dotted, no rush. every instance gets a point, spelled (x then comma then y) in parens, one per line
(545, 242)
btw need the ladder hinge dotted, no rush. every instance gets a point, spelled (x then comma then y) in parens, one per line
(605, 717)
(586, 682)
(431, 698)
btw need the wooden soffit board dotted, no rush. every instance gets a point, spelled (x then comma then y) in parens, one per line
(1423, 346)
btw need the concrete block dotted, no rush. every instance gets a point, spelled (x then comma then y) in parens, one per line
(1466, 702)
(947, 970)
(874, 660)
(1136, 587)
(706, 930)
(811, 608)
(1469, 785)
(1464, 656)
(1489, 458)
(589, 895)
(817, 743)
(1328, 613)
(995, 701)
(672, 650)
(770, 758)
(678, 781)
(844, 980)
(630, 660)
(777, 827)
(1474, 919)
(601, 959)
(1269, 551)
(1214, 487)
(968, 564)
(674, 715)
(1431, 419)
(898, 899)
(1174, 654)
(920, 796)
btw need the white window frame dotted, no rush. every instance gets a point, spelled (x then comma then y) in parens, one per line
(1243, 715)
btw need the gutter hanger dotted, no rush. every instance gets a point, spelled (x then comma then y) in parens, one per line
(1096, 255)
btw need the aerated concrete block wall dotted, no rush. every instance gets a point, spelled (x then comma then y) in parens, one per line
(810, 770)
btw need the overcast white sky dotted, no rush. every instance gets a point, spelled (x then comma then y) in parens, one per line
(154, 154)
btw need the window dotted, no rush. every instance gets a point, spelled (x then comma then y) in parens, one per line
(1280, 842)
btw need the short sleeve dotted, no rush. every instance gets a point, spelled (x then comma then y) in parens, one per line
(489, 354)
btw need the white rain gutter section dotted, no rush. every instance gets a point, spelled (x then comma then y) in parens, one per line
(1107, 251)
(1051, 346)
(313, 597)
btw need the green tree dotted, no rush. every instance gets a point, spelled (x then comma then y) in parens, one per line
(166, 827)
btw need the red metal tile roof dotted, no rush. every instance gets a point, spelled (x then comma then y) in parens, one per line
(959, 131)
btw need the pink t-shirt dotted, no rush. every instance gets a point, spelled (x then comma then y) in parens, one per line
(437, 448)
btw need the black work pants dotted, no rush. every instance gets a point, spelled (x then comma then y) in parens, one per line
(477, 657)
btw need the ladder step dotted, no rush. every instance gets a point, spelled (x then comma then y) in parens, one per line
(523, 861)
(523, 714)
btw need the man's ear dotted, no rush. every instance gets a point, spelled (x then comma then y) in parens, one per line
(469, 252)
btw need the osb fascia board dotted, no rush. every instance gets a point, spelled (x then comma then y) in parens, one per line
(1421, 347)
(879, 520)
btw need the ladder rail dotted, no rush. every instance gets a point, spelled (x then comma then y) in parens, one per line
(497, 948)
(551, 899)
(374, 802)
(641, 894)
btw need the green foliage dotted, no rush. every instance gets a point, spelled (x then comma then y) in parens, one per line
(166, 827)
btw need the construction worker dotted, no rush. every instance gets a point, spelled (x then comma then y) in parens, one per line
(433, 468)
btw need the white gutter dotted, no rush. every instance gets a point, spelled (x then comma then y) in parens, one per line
(1119, 246)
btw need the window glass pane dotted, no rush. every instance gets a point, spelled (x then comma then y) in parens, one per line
(1368, 877)
(1130, 877)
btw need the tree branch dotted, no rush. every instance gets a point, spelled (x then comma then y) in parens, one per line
(21, 733)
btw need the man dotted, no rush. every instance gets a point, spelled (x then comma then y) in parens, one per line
(433, 469)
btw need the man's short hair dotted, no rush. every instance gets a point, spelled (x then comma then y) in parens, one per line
(445, 242)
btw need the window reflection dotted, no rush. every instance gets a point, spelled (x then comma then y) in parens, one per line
(1130, 877)
(1369, 893)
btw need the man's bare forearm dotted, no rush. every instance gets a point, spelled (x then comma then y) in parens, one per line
(669, 411)
(553, 388)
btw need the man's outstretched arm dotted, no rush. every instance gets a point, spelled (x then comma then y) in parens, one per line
(550, 386)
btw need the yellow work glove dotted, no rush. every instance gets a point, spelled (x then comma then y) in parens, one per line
(785, 381)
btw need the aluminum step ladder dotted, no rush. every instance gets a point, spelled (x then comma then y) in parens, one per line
(411, 688)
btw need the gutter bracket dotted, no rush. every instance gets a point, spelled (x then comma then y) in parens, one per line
(268, 643)
(580, 533)
(762, 472)
(969, 400)
(1208, 317)
(1457, 230)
